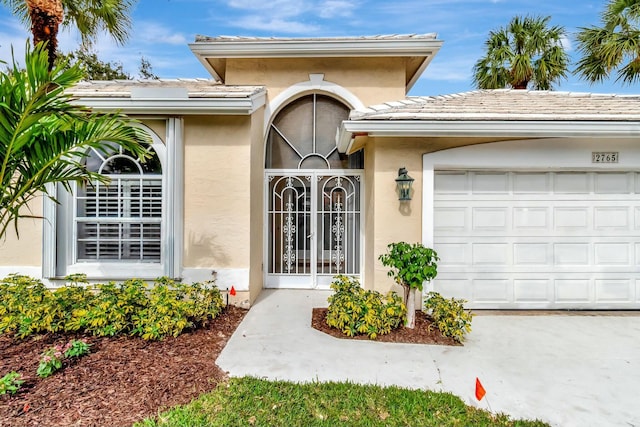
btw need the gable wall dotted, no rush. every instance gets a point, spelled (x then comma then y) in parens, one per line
(372, 80)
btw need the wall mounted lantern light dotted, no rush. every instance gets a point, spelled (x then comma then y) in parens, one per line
(403, 184)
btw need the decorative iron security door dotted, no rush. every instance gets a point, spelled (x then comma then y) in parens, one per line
(314, 226)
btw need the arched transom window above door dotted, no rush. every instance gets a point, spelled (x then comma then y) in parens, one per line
(303, 136)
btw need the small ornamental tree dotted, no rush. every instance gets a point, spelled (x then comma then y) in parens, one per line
(411, 266)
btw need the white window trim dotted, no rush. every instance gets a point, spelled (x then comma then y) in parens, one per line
(315, 84)
(171, 158)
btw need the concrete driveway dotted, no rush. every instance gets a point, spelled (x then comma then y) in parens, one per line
(566, 369)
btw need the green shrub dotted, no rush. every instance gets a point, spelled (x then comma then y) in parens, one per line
(174, 307)
(27, 307)
(10, 383)
(356, 311)
(166, 308)
(110, 311)
(72, 301)
(449, 315)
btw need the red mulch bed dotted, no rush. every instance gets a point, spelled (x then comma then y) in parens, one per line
(421, 334)
(122, 380)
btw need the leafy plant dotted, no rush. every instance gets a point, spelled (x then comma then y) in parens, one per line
(52, 359)
(10, 383)
(76, 348)
(411, 266)
(449, 315)
(357, 311)
(50, 362)
(44, 135)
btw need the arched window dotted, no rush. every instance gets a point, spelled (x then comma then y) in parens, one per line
(121, 220)
(303, 136)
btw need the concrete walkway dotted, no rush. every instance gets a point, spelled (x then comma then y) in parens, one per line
(568, 370)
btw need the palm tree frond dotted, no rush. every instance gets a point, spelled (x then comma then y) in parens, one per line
(513, 53)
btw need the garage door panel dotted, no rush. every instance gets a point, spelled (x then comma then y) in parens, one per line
(450, 287)
(450, 218)
(453, 253)
(571, 182)
(528, 253)
(613, 183)
(490, 253)
(572, 217)
(528, 218)
(531, 182)
(613, 254)
(532, 290)
(492, 218)
(614, 291)
(540, 239)
(490, 182)
(573, 290)
(611, 217)
(567, 254)
(492, 291)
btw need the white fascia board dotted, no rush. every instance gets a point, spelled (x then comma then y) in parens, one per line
(204, 106)
(315, 48)
(485, 128)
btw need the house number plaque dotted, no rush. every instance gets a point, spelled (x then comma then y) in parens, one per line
(605, 157)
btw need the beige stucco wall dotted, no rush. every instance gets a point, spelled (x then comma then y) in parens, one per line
(25, 249)
(159, 126)
(217, 181)
(372, 80)
(256, 275)
(394, 221)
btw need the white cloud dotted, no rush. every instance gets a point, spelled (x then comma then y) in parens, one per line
(278, 7)
(154, 32)
(336, 8)
(274, 24)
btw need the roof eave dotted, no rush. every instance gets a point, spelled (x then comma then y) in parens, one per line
(192, 106)
(425, 48)
(485, 128)
(315, 48)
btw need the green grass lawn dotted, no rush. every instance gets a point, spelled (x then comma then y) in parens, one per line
(256, 402)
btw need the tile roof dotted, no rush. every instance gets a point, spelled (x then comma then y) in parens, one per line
(201, 38)
(195, 88)
(508, 104)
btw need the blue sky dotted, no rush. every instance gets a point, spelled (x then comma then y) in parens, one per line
(163, 28)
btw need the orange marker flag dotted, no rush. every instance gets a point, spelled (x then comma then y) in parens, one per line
(480, 391)
(232, 292)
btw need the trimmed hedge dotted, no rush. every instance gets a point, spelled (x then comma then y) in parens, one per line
(166, 308)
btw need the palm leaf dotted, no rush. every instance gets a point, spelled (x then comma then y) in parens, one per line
(44, 135)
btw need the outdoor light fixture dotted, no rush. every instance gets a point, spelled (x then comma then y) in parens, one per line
(403, 184)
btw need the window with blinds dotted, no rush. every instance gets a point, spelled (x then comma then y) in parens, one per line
(120, 221)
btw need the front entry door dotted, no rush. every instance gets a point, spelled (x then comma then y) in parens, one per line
(314, 227)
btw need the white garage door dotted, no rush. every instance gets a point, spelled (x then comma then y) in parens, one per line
(538, 239)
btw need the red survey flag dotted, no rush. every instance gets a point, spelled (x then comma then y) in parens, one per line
(480, 391)
(232, 292)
